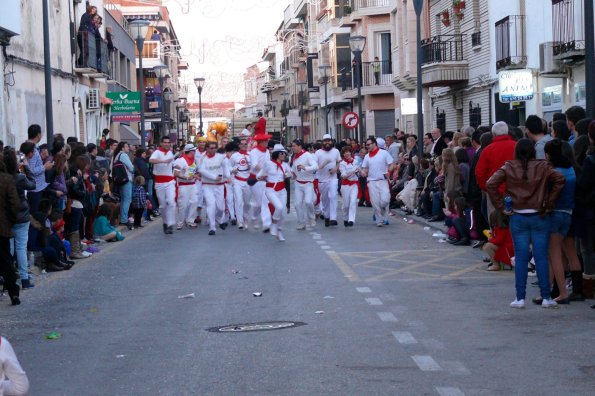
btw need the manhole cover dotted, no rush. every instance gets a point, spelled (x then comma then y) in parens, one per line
(259, 326)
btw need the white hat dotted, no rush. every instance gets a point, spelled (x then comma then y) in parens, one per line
(279, 148)
(326, 137)
(380, 142)
(189, 147)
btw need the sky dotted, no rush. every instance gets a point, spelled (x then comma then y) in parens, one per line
(220, 39)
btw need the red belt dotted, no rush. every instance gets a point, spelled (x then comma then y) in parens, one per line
(277, 186)
(242, 178)
(346, 182)
(304, 182)
(163, 178)
(213, 184)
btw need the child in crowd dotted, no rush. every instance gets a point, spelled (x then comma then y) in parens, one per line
(457, 219)
(102, 227)
(499, 246)
(109, 199)
(139, 200)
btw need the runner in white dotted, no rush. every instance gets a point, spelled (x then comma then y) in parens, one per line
(259, 155)
(303, 168)
(377, 163)
(274, 173)
(214, 172)
(200, 197)
(230, 211)
(240, 169)
(349, 186)
(328, 159)
(165, 185)
(185, 170)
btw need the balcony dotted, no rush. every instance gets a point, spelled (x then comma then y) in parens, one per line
(377, 73)
(92, 57)
(568, 29)
(442, 61)
(510, 43)
(153, 54)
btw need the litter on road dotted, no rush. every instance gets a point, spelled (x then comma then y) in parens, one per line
(328, 297)
(427, 228)
(257, 294)
(191, 295)
(319, 312)
(439, 234)
(53, 335)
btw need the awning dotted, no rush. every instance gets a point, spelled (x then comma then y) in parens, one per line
(106, 101)
(128, 135)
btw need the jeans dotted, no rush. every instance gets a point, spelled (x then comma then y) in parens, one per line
(527, 229)
(149, 187)
(125, 201)
(73, 220)
(21, 236)
(437, 204)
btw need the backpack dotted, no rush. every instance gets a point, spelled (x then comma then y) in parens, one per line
(119, 172)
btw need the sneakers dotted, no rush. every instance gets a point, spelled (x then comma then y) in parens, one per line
(300, 227)
(280, 236)
(350, 224)
(313, 223)
(223, 225)
(274, 229)
(179, 226)
(191, 224)
(517, 304)
(549, 303)
(211, 232)
(385, 222)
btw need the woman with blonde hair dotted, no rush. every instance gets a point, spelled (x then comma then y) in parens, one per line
(452, 174)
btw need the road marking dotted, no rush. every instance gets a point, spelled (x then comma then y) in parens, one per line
(449, 391)
(320, 242)
(387, 317)
(363, 289)
(325, 247)
(373, 301)
(426, 363)
(404, 337)
(315, 237)
(456, 367)
(345, 269)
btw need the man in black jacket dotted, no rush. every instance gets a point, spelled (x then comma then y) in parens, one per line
(439, 143)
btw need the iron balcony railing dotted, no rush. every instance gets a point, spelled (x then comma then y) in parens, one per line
(510, 42)
(360, 4)
(568, 26)
(377, 73)
(92, 53)
(442, 48)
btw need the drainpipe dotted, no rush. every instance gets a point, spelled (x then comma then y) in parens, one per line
(49, 117)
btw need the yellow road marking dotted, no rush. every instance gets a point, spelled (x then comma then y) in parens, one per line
(344, 267)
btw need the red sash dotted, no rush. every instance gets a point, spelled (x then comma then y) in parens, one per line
(276, 186)
(163, 178)
(345, 182)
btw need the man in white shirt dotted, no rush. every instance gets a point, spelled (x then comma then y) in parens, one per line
(213, 169)
(303, 167)
(393, 147)
(200, 198)
(328, 159)
(185, 170)
(230, 211)
(259, 155)
(165, 185)
(375, 167)
(240, 170)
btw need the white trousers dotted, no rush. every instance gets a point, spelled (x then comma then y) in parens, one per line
(229, 201)
(305, 197)
(166, 194)
(241, 197)
(200, 197)
(349, 195)
(215, 202)
(380, 199)
(186, 204)
(260, 204)
(328, 198)
(278, 199)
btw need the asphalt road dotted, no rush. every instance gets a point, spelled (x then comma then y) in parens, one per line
(380, 311)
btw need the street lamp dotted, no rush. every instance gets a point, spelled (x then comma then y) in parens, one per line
(187, 118)
(418, 4)
(357, 45)
(324, 70)
(140, 28)
(302, 100)
(167, 96)
(160, 72)
(285, 111)
(199, 82)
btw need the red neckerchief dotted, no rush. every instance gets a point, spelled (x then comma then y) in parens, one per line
(211, 155)
(260, 148)
(189, 160)
(243, 152)
(374, 152)
(164, 151)
(280, 167)
(296, 156)
(348, 161)
(201, 151)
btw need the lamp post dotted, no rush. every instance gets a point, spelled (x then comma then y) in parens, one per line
(285, 111)
(140, 28)
(166, 107)
(324, 70)
(357, 45)
(302, 100)
(160, 73)
(187, 118)
(418, 4)
(199, 82)
(49, 115)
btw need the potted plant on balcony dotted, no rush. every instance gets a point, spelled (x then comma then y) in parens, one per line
(445, 18)
(458, 4)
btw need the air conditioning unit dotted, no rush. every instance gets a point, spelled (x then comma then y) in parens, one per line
(547, 63)
(93, 98)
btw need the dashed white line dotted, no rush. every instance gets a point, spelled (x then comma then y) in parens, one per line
(315, 237)
(455, 367)
(325, 247)
(320, 242)
(363, 289)
(449, 391)
(373, 301)
(404, 337)
(426, 363)
(387, 317)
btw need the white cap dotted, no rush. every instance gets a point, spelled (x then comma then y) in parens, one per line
(189, 147)
(380, 142)
(279, 148)
(326, 137)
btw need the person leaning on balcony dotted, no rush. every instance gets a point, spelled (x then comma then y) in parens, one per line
(85, 27)
(376, 70)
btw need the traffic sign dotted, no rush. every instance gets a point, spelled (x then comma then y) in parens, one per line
(350, 120)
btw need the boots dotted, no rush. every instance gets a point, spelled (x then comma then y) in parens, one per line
(75, 246)
(588, 288)
(577, 286)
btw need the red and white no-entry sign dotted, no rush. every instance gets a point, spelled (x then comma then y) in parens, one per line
(350, 120)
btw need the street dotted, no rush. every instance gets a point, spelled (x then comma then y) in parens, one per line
(379, 311)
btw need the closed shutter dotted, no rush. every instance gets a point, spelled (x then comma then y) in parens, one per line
(384, 122)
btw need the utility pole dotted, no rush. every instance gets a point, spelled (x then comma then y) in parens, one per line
(47, 67)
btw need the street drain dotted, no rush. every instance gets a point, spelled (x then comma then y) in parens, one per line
(259, 326)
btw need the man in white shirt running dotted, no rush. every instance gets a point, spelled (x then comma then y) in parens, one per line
(214, 172)
(376, 166)
(185, 171)
(165, 185)
(259, 155)
(328, 159)
(303, 167)
(240, 170)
